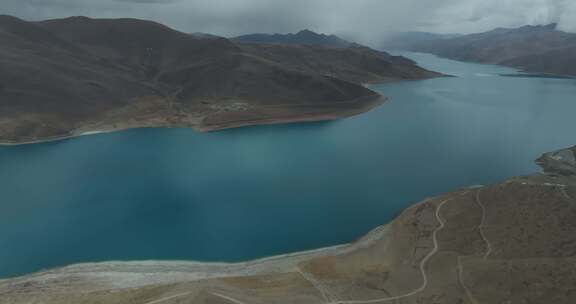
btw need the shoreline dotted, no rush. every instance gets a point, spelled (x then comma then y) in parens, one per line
(195, 270)
(314, 117)
(329, 115)
(118, 275)
(59, 138)
(521, 72)
(382, 266)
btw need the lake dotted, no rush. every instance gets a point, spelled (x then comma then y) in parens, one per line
(173, 194)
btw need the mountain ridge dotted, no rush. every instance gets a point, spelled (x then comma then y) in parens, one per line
(532, 48)
(305, 36)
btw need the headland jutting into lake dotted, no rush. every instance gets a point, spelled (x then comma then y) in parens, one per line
(130, 73)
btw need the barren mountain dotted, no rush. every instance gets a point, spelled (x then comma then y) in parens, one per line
(64, 77)
(539, 49)
(356, 63)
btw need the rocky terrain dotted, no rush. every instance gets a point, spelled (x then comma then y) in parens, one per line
(537, 49)
(511, 242)
(65, 77)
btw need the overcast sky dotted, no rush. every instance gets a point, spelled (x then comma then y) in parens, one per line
(364, 19)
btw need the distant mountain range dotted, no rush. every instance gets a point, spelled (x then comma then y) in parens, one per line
(303, 37)
(538, 49)
(65, 77)
(405, 40)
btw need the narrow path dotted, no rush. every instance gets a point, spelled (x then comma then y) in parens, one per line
(462, 284)
(169, 298)
(481, 227)
(423, 265)
(227, 298)
(565, 193)
(326, 294)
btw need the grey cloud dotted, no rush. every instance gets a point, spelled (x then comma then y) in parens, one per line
(148, 1)
(365, 20)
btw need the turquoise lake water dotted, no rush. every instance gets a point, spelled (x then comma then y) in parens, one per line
(259, 191)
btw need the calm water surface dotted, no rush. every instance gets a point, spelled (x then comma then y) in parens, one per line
(259, 191)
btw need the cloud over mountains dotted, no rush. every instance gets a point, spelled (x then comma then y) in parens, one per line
(363, 19)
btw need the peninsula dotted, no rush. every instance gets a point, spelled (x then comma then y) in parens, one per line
(67, 77)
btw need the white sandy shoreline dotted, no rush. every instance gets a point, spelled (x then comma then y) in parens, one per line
(54, 139)
(121, 275)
